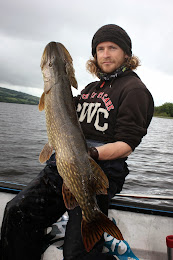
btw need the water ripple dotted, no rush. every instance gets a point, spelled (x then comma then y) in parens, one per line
(23, 135)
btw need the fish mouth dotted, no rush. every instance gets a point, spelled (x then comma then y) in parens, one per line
(55, 52)
(50, 53)
(56, 56)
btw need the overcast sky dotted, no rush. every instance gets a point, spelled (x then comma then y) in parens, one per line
(27, 26)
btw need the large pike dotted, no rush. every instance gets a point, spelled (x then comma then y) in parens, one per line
(82, 177)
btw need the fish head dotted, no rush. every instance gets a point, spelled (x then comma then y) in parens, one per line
(56, 62)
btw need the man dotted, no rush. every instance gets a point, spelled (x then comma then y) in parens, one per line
(114, 113)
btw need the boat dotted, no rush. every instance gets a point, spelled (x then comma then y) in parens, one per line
(144, 223)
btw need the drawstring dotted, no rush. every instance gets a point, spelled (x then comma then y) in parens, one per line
(102, 84)
(98, 86)
(111, 83)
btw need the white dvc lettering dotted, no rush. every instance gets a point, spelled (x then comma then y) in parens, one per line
(96, 124)
(88, 110)
(84, 111)
(91, 112)
(79, 107)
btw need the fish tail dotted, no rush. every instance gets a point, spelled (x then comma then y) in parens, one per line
(92, 231)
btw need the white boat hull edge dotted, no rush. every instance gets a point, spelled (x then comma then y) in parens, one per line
(145, 233)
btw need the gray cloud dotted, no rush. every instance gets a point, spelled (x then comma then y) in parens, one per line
(27, 26)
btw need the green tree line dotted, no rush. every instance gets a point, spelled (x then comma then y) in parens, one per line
(12, 96)
(165, 110)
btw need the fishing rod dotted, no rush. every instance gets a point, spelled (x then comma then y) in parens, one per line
(145, 196)
(7, 185)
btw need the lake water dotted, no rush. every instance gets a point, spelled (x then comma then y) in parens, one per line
(23, 135)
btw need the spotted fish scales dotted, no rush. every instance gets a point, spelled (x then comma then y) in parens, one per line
(83, 179)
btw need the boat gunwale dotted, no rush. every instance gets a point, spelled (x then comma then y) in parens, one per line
(117, 203)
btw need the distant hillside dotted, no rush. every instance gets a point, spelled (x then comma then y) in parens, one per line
(12, 96)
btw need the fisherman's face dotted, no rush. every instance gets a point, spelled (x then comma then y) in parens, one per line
(109, 56)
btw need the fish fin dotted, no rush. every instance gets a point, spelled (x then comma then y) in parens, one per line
(74, 82)
(69, 199)
(92, 231)
(69, 66)
(71, 76)
(99, 181)
(46, 153)
(41, 102)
